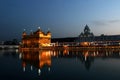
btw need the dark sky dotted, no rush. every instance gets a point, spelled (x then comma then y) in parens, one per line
(64, 18)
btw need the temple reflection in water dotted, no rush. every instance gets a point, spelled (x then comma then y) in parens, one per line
(43, 58)
(38, 59)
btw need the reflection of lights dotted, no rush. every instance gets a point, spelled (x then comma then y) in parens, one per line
(97, 53)
(45, 59)
(106, 53)
(85, 58)
(49, 69)
(42, 58)
(20, 55)
(47, 53)
(16, 50)
(51, 52)
(31, 68)
(86, 55)
(39, 71)
(66, 52)
(54, 54)
(59, 52)
(94, 54)
(24, 65)
(39, 56)
(24, 69)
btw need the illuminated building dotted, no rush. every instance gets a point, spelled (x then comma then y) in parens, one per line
(36, 39)
(87, 38)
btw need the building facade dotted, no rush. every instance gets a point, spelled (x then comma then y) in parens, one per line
(87, 38)
(36, 39)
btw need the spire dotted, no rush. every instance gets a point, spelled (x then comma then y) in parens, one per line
(48, 30)
(39, 27)
(86, 29)
(31, 31)
(24, 32)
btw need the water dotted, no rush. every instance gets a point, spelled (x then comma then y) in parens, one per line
(59, 65)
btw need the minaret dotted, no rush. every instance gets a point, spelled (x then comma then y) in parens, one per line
(48, 32)
(39, 28)
(31, 32)
(24, 33)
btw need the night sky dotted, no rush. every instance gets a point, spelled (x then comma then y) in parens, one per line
(64, 18)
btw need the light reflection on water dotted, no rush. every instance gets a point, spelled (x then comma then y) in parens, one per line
(59, 65)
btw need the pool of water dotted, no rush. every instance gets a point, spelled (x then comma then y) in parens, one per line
(59, 65)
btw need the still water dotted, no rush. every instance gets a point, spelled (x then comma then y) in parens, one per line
(59, 65)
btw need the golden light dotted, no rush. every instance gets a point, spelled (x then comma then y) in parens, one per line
(85, 43)
(45, 59)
